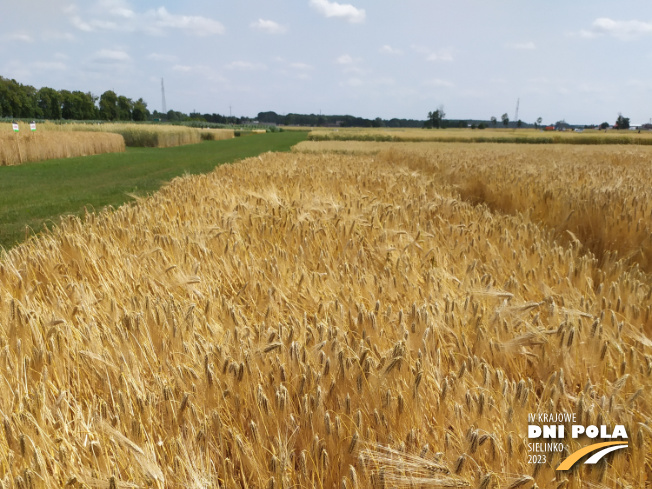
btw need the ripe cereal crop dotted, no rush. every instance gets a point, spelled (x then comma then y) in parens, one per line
(299, 320)
(138, 135)
(25, 147)
(466, 135)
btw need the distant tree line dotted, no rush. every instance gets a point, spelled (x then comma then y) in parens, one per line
(26, 102)
(211, 118)
(333, 120)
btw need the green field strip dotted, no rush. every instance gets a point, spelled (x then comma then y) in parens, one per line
(36, 194)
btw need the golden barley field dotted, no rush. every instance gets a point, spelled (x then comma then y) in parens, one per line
(490, 135)
(597, 197)
(27, 147)
(147, 135)
(316, 321)
(66, 140)
(216, 134)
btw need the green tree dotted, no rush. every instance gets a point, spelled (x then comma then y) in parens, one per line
(78, 105)
(562, 125)
(270, 117)
(125, 108)
(622, 122)
(49, 101)
(109, 106)
(175, 116)
(10, 103)
(30, 108)
(18, 100)
(140, 112)
(505, 119)
(88, 105)
(494, 121)
(436, 118)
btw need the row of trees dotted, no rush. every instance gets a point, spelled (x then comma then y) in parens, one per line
(436, 119)
(26, 102)
(333, 120)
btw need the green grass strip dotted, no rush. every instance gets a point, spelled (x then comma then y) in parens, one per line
(36, 194)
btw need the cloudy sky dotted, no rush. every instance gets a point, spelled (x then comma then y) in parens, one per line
(582, 61)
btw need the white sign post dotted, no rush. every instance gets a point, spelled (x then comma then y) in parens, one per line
(16, 129)
(32, 126)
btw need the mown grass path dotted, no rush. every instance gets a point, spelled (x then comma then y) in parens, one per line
(35, 194)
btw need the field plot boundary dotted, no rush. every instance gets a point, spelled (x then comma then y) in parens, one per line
(18, 149)
(506, 136)
(34, 194)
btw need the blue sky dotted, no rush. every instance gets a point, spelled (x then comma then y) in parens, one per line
(582, 61)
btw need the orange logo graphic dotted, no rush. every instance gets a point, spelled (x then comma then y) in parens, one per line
(604, 448)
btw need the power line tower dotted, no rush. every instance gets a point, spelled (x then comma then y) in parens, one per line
(163, 107)
(518, 102)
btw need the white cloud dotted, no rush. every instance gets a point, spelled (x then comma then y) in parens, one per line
(119, 8)
(441, 55)
(350, 64)
(163, 57)
(621, 29)
(191, 24)
(345, 59)
(110, 56)
(297, 70)
(246, 66)
(301, 66)
(444, 54)
(115, 15)
(109, 61)
(339, 11)
(525, 46)
(386, 49)
(18, 36)
(268, 26)
(77, 21)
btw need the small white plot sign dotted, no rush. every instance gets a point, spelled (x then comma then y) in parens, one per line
(32, 126)
(15, 126)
